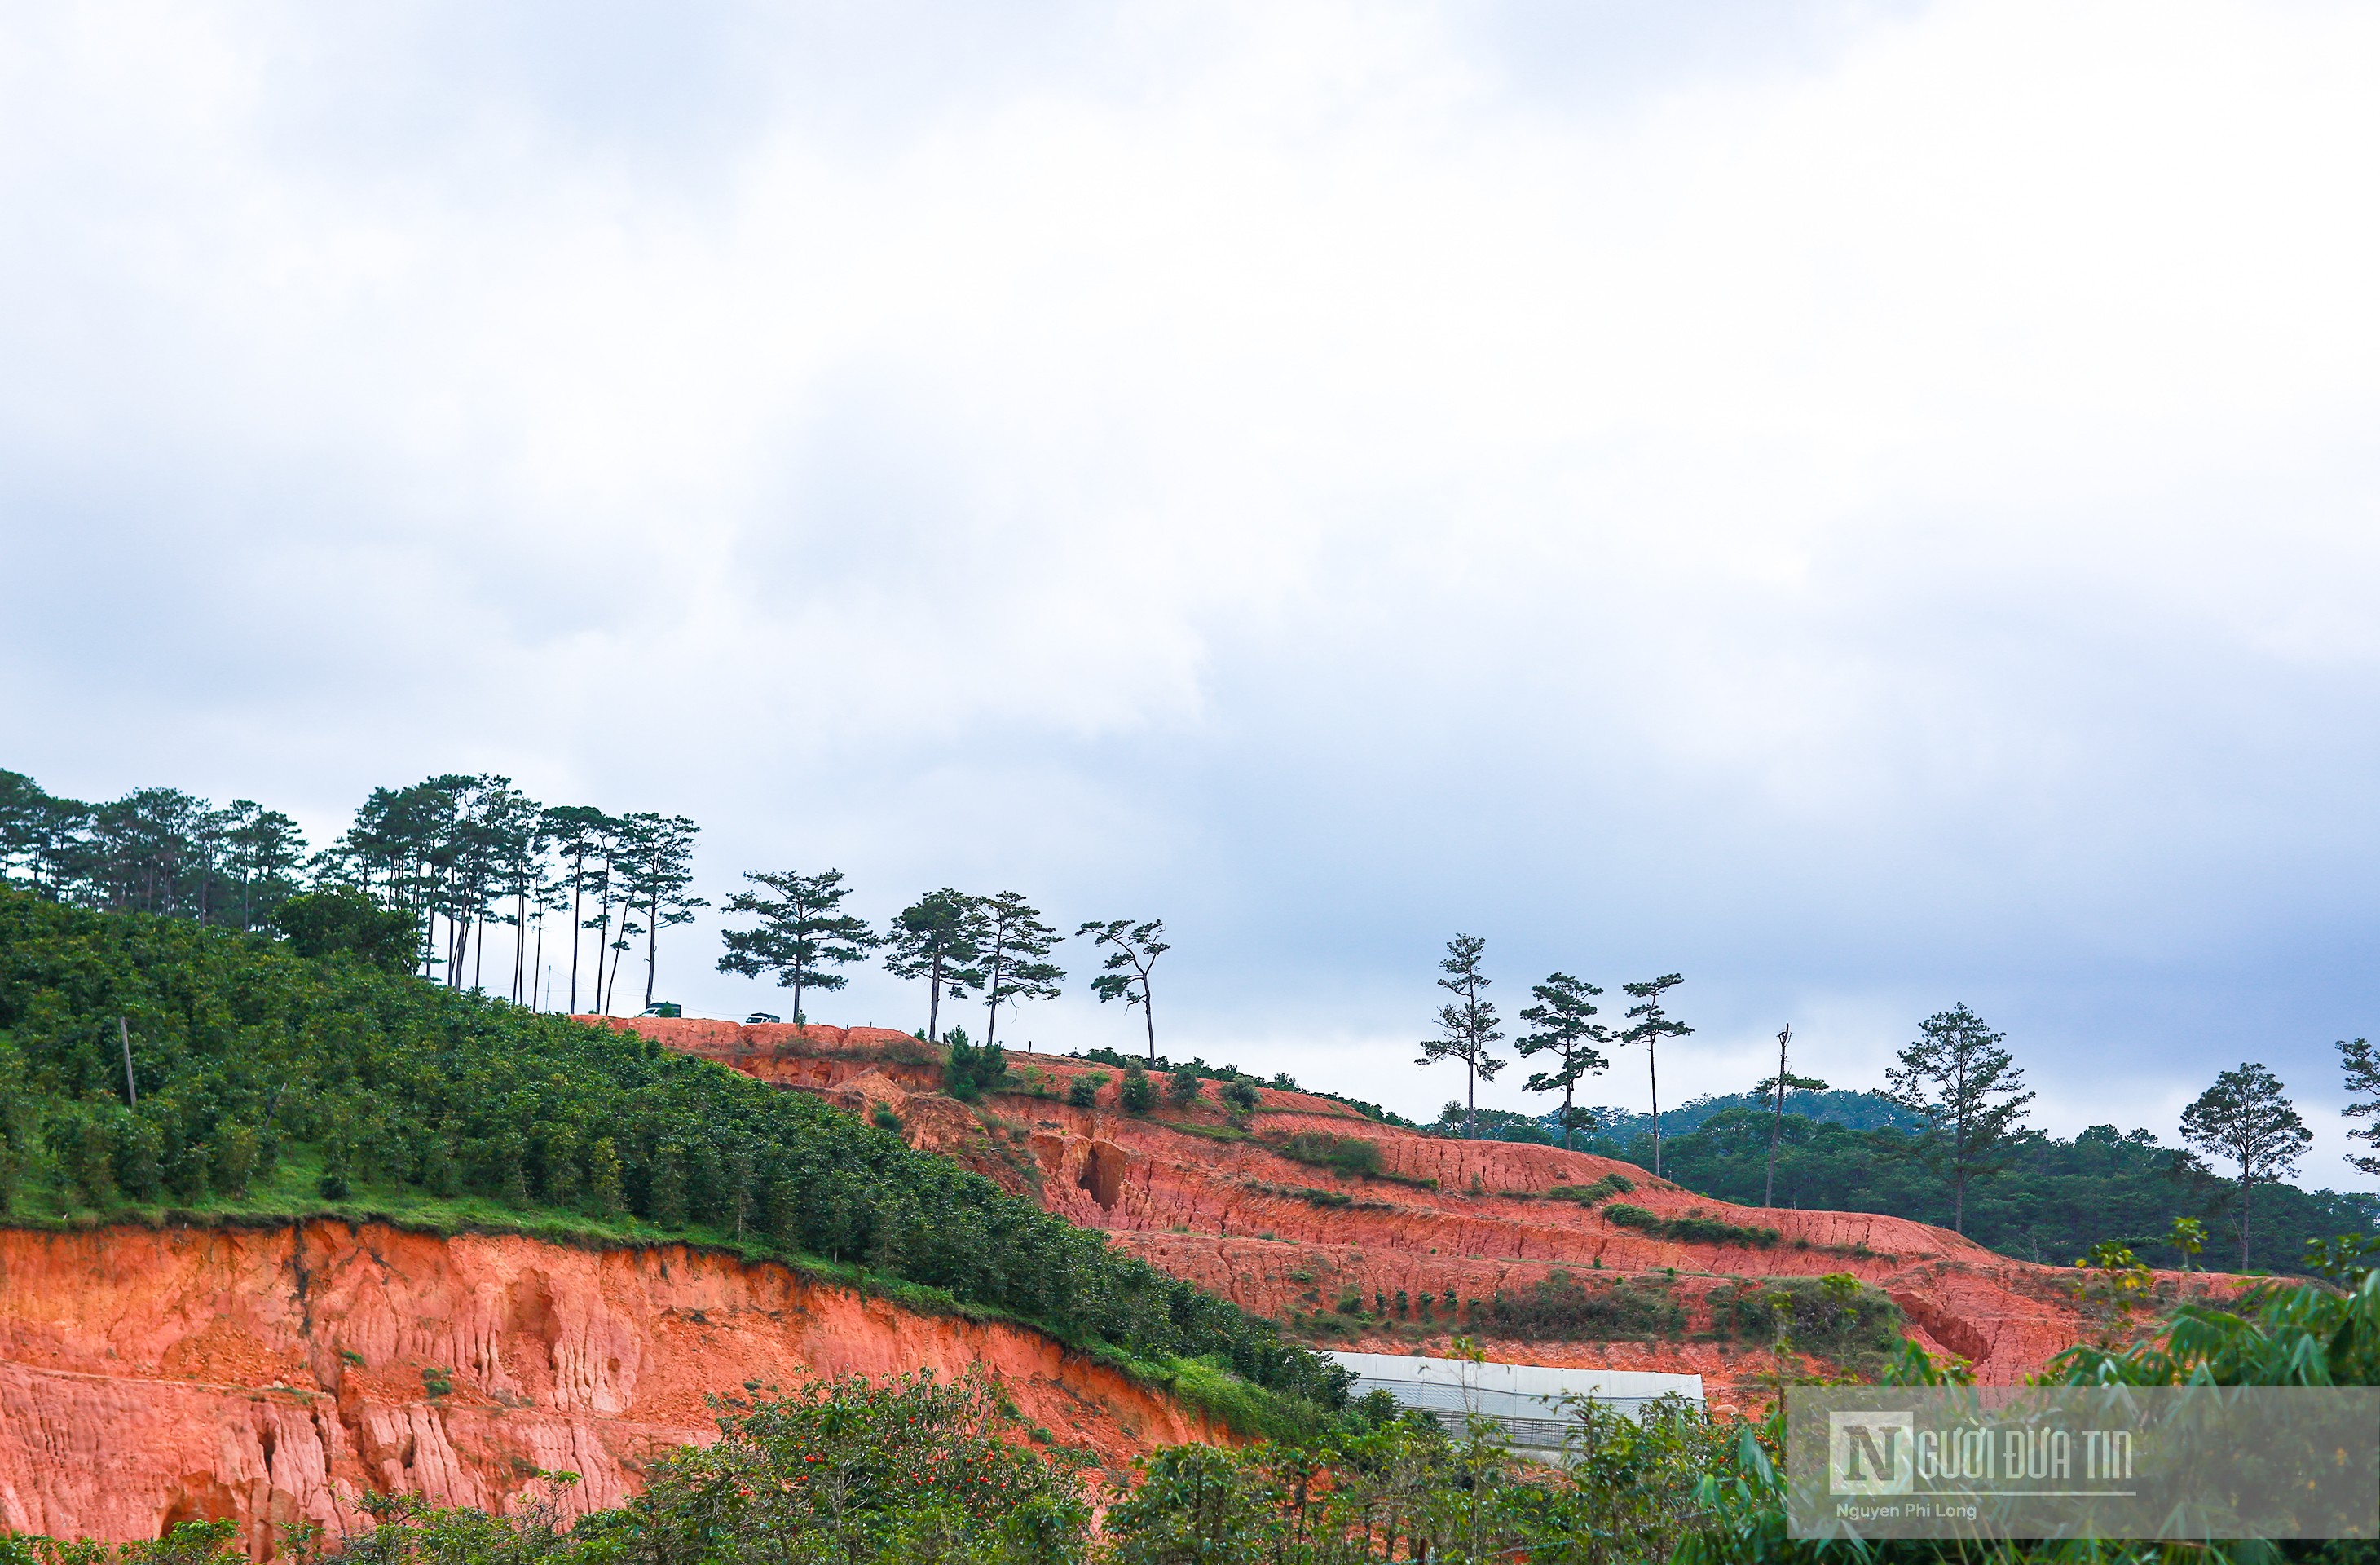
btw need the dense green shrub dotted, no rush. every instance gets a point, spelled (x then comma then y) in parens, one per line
(343, 920)
(1692, 1229)
(907, 1470)
(968, 1070)
(1352, 1156)
(1603, 1189)
(244, 1051)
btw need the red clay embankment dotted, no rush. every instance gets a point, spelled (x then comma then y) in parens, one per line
(151, 1377)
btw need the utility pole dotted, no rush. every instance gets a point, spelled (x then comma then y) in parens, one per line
(124, 1035)
(1777, 1125)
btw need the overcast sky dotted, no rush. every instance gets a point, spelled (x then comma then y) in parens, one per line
(1867, 506)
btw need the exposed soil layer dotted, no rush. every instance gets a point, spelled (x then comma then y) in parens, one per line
(1217, 1201)
(273, 1374)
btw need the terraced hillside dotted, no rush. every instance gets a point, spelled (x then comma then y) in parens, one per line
(1356, 1234)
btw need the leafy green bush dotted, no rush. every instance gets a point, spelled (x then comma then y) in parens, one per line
(907, 1470)
(1603, 1189)
(968, 1071)
(1138, 1094)
(341, 920)
(189, 1543)
(1083, 1092)
(385, 1082)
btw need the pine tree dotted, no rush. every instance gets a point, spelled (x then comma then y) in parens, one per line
(1014, 941)
(1466, 1024)
(1135, 949)
(934, 938)
(1970, 1091)
(2361, 1066)
(1564, 1026)
(2245, 1118)
(660, 870)
(802, 933)
(1653, 1024)
(575, 831)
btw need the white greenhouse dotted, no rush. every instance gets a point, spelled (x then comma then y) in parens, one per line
(1526, 1399)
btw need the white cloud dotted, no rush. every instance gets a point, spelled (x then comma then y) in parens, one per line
(1875, 503)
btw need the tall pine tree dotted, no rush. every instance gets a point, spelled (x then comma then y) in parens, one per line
(1133, 950)
(2246, 1118)
(1014, 943)
(803, 933)
(934, 938)
(1971, 1093)
(1562, 1022)
(1466, 1026)
(1652, 1022)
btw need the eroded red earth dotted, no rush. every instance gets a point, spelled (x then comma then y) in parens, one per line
(1231, 1213)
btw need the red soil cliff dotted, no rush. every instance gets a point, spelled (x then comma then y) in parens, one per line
(1237, 1215)
(273, 1375)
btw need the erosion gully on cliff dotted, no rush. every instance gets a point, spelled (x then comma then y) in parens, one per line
(1217, 1201)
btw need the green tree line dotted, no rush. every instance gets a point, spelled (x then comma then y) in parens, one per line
(480, 868)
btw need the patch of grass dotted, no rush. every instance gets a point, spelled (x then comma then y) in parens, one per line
(1837, 1317)
(1208, 1384)
(1559, 1306)
(1603, 1189)
(1336, 1199)
(1692, 1229)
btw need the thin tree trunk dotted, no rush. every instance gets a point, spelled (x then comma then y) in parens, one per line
(1777, 1125)
(2245, 1189)
(1566, 1115)
(652, 944)
(1148, 1015)
(991, 998)
(1653, 1070)
(934, 1000)
(538, 962)
(1471, 1099)
(612, 988)
(578, 877)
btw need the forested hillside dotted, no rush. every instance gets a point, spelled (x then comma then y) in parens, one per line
(154, 1063)
(1850, 1151)
(2054, 1200)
